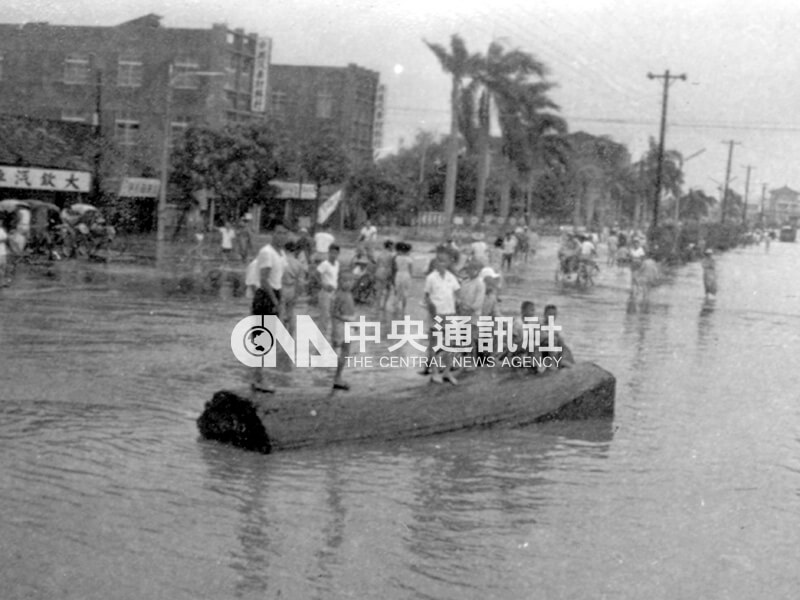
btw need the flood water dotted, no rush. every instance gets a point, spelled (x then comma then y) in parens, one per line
(691, 491)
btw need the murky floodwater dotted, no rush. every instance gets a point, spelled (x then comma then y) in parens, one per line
(692, 491)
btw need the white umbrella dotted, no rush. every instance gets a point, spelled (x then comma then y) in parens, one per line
(82, 209)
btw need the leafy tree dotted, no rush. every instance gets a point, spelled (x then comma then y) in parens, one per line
(324, 160)
(236, 163)
(695, 205)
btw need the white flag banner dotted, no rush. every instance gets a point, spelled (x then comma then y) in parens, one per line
(327, 207)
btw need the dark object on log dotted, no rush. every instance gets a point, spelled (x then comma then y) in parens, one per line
(296, 418)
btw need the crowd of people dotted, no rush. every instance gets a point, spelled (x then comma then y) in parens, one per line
(33, 228)
(462, 279)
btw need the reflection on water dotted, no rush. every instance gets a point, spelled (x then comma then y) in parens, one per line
(693, 485)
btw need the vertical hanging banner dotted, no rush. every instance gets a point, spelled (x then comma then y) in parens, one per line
(258, 101)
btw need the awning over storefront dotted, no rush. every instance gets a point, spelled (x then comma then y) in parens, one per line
(290, 190)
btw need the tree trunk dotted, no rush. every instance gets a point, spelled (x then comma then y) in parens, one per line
(505, 196)
(580, 190)
(483, 155)
(452, 157)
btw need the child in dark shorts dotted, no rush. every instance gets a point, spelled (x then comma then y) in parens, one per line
(343, 309)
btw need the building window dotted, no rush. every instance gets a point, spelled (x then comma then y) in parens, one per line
(126, 132)
(76, 70)
(73, 115)
(324, 105)
(181, 74)
(231, 71)
(277, 102)
(129, 73)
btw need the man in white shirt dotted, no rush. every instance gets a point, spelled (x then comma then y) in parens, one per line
(328, 272)
(587, 248)
(322, 241)
(441, 288)
(369, 233)
(228, 234)
(479, 249)
(270, 263)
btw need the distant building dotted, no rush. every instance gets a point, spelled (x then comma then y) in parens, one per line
(342, 100)
(784, 205)
(119, 76)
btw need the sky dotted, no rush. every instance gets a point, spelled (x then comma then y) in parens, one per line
(740, 58)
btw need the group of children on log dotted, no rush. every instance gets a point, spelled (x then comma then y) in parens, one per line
(471, 291)
(475, 295)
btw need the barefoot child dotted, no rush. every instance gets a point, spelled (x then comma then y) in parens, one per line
(343, 309)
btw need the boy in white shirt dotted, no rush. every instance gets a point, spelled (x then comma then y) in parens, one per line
(328, 271)
(270, 264)
(441, 288)
(228, 234)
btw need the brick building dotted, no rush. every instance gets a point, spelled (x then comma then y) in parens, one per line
(129, 78)
(343, 100)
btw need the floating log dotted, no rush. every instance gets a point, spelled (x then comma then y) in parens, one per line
(313, 416)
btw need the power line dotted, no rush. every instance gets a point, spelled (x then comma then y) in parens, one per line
(763, 127)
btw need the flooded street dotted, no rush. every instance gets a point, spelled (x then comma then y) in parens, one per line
(691, 491)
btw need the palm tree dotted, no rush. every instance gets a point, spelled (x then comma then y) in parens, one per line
(500, 78)
(533, 136)
(671, 177)
(459, 63)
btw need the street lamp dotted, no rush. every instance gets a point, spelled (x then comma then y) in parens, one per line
(172, 79)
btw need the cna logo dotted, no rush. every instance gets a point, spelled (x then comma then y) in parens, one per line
(255, 339)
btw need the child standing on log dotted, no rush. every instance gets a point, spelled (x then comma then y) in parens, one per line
(343, 309)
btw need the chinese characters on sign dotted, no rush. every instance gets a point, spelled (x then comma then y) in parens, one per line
(139, 187)
(258, 102)
(56, 180)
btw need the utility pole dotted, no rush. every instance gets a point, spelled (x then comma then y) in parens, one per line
(763, 195)
(97, 159)
(731, 144)
(746, 194)
(660, 168)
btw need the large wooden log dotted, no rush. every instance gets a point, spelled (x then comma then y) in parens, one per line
(314, 416)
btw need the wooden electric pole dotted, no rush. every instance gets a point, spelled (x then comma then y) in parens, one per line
(660, 166)
(731, 144)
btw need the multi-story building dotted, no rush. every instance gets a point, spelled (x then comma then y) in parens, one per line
(132, 78)
(784, 206)
(377, 130)
(339, 100)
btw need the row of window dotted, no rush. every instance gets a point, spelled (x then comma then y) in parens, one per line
(130, 72)
(77, 71)
(126, 130)
(324, 104)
